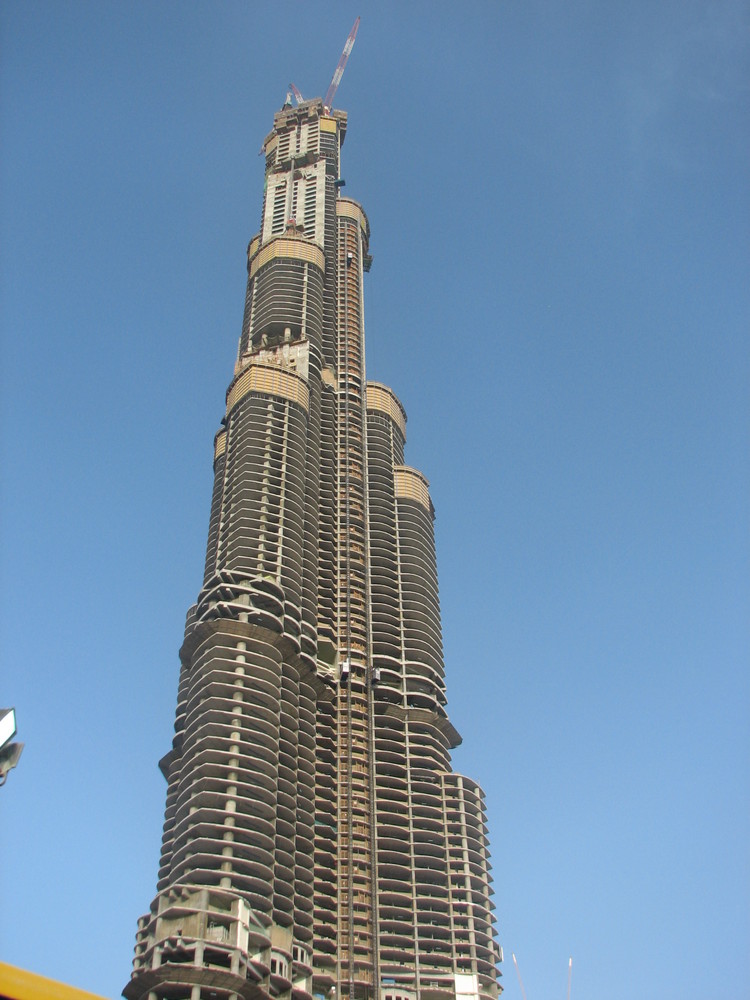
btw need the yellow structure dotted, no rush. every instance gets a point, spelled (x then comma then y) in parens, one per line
(17, 984)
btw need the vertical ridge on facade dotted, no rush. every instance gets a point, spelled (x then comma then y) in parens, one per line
(316, 842)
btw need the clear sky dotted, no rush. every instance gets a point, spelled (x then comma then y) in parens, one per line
(559, 204)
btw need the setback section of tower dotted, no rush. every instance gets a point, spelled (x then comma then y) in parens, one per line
(435, 925)
(239, 828)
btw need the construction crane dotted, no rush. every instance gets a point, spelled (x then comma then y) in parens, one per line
(520, 981)
(570, 973)
(339, 71)
(518, 973)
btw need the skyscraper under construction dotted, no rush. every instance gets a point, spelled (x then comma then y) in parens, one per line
(316, 841)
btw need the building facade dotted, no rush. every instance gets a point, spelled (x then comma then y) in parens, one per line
(316, 841)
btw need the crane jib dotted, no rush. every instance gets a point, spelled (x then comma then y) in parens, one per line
(339, 71)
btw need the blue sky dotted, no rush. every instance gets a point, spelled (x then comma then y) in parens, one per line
(560, 215)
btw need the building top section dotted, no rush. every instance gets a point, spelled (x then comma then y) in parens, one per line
(308, 113)
(293, 246)
(350, 209)
(410, 484)
(380, 397)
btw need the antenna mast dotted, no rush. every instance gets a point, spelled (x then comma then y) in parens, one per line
(339, 72)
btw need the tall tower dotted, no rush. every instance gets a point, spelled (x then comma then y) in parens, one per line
(316, 841)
